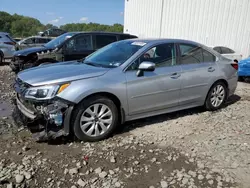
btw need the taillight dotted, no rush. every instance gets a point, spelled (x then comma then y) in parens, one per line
(235, 65)
(10, 43)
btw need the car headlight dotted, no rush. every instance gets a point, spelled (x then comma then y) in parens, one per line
(45, 92)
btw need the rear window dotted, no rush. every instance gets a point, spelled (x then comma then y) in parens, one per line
(217, 49)
(225, 50)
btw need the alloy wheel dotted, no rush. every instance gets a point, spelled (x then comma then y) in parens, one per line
(96, 120)
(217, 95)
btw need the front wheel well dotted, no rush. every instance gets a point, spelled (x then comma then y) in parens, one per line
(112, 97)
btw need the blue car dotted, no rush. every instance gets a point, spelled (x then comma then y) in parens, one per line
(244, 69)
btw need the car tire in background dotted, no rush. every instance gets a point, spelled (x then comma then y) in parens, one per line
(95, 119)
(1, 58)
(216, 97)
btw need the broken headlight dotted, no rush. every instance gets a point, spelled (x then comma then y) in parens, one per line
(44, 92)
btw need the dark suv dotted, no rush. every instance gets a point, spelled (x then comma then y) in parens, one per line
(67, 47)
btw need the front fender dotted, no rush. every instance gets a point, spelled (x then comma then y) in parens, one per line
(80, 89)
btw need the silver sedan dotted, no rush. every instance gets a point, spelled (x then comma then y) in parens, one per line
(124, 81)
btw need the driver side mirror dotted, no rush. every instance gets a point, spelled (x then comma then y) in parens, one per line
(145, 66)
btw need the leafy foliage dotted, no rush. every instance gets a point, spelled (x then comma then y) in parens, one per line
(23, 26)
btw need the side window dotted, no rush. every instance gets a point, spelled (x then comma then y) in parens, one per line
(42, 40)
(191, 54)
(163, 55)
(217, 49)
(29, 41)
(79, 43)
(103, 40)
(208, 57)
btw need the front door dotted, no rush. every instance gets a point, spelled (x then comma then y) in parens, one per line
(78, 47)
(198, 69)
(155, 90)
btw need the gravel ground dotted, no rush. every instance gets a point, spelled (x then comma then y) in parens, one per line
(191, 148)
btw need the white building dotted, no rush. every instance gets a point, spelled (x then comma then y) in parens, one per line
(211, 22)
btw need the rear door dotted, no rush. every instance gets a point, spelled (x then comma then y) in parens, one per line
(198, 69)
(101, 40)
(78, 47)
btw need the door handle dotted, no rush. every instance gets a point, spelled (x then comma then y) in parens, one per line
(211, 69)
(175, 75)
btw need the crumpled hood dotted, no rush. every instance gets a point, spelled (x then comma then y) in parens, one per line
(28, 51)
(60, 72)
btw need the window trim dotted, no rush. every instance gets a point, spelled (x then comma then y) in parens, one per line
(179, 50)
(203, 49)
(152, 46)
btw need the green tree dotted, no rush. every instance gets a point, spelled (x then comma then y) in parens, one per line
(23, 26)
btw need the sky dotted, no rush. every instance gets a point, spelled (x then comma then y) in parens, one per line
(59, 12)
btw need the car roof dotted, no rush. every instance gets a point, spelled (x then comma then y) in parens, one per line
(169, 40)
(101, 32)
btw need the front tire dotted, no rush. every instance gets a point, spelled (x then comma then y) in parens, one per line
(216, 97)
(95, 119)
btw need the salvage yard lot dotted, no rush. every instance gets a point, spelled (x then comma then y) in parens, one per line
(192, 148)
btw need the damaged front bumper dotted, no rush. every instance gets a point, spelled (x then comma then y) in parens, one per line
(55, 115)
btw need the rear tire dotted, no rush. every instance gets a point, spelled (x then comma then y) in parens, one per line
(95, 119)
(1, 58)
(241, 79)
(216, 97)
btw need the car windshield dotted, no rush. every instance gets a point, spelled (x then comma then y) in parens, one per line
(114, 54)
(58, 40)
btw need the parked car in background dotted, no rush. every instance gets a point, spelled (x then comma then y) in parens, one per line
(118, 83)
(34, 41)
(53, 32)
(244, 69)
(69, 46)
(7, 46)
(228, 53)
